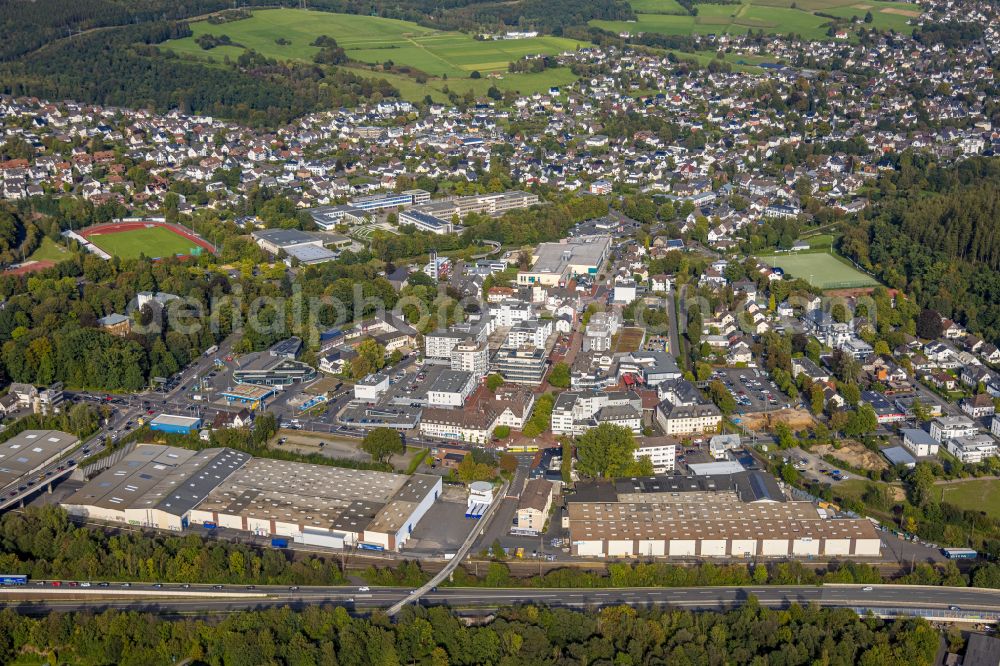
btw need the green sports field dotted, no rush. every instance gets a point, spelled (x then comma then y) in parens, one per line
(974, 495)
(772, 16)
(369, 39)
(154, 242)
(824, 271)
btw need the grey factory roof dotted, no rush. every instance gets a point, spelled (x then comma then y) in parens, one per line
(319, 496)
(27, 451)
(747, 486)
(160, 477)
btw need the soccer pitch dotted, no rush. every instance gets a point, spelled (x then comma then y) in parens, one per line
(824, 271)
(154, 242)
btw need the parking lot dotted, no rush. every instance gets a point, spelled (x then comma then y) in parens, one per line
(752, 389)
(815, 468)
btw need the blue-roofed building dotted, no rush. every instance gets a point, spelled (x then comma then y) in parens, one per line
(177, 425)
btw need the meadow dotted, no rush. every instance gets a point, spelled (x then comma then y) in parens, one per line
(974, 495)
(448, 57)
(772, 16)
(824, 271)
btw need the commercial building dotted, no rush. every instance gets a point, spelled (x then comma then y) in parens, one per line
(733, 516)
(651, 368)
(533, 507)
(472, 357)
(972, 449)
(557, 263)
(687, 419)
(474, 424)
(370, 388)
(170, 488)
(573, 413)
(249, 395)
(450, 388)
(367, 509)
(30, 450)
(944, 428)
(720, 445)
(155, 486)
(179, 425)
(663, 455)
(521, 365)
(919, 442)
(262, 368)
(511, 311)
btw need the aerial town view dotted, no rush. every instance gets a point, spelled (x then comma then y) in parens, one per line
(604, 332)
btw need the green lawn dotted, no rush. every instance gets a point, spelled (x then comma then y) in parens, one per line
(367, 39)
(49, 250)
(771, 16)
(820, 269)
(975, 494)
(155, 242)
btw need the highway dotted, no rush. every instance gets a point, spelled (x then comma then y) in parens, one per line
(937, 602)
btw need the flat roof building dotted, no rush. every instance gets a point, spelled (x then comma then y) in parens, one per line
(731, 516)
(267, 497)
(172, 423)
(555, 263)
(155, 486)
(30, 450)
(166, 487)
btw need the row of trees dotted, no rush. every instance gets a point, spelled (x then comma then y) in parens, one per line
(42, 543)
(519, 635)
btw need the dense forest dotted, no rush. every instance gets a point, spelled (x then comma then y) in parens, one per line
(520, 635)
(935, 237)
(29, 24)
(122, 67)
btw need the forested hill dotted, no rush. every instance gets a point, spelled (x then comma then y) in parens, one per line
(937, 237)
(28, 24)
(122, 67)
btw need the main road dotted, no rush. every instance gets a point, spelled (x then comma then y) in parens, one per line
(945, 603)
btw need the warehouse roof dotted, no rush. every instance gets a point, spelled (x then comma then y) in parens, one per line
(165, 478)
(708, 520)
(176, 420)
(28, 450)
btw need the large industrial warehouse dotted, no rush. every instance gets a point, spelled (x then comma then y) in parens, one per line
(171, 488)
(727, 516)
(321, 505)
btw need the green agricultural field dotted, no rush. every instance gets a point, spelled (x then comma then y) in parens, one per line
(975, 494)
(153, 242)
(824, 271)
(657, 7)
(771, 16)
(375, 40)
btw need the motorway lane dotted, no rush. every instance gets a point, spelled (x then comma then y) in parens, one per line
(702, 598)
